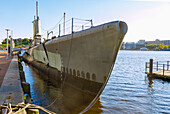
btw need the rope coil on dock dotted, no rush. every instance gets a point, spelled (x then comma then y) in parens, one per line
(20, 108)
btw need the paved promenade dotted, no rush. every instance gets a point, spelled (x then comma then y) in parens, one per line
(11, 86)
(4, 64)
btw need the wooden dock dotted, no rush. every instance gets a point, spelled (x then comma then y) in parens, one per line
(159, 69)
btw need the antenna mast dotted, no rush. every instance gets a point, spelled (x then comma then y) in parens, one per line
(64, 24)
(36, 24)
(37, 9)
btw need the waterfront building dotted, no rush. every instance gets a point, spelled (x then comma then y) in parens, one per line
(130, 45)
(141, 42)
(157, 41)
(123, 46)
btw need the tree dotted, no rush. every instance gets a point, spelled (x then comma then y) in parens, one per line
(151, 46)
(4, 41)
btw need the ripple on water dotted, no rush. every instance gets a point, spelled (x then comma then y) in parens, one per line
(128, 89)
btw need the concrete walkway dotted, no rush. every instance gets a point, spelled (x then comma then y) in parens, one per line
(4, 64)
(11, 87)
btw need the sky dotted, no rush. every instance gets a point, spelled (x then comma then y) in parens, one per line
(146, 19)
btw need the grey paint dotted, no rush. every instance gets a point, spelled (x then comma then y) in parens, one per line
(92, 51)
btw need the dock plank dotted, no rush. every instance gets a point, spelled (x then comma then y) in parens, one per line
(160, 74)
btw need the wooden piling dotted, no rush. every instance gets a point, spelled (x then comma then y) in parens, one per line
(22, 76)
(26, 88)
(161, 69)
(151, 66)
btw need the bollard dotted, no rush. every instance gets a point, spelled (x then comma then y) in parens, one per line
(163, 69)
(167, 65)
(151, 66)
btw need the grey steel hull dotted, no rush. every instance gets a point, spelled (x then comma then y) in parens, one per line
(82, 60)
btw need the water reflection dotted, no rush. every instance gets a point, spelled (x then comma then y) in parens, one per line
(150, 85)
(57, 98)
(150, 82)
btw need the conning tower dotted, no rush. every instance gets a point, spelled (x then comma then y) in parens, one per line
(36, 28)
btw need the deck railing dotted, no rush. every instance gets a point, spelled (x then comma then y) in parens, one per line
(157, 66)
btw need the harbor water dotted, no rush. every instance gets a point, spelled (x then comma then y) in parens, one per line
(128, 90)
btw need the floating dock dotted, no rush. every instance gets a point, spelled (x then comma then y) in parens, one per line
(10, 89)
(159, 69)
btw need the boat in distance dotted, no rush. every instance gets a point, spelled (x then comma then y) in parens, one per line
(82, 60)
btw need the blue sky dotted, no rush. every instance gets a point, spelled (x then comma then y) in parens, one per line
(146, 19)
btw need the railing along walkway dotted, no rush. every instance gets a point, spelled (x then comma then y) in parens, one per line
(158, 68)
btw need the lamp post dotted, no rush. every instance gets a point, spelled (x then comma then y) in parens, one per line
(7, 42)
(30, 41)
(11, 44)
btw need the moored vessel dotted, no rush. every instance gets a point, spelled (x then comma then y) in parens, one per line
(81, 60)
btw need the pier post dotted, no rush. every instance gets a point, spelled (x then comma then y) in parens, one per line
(163, 69)
(167, 65)
(157, 66)
(151, 66)
(146, 67)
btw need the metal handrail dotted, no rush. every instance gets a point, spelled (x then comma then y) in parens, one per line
(157, 66)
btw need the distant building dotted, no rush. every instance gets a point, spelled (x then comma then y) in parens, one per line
(157, 41)
(166, 42)
(130, 45)
(141, 42)
(122, 46)
(140, 45)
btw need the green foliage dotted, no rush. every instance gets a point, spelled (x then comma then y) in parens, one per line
(19, 42)
(4, 46)
(151, 46)
(155, 46)
(162, 46)
(5, 40)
